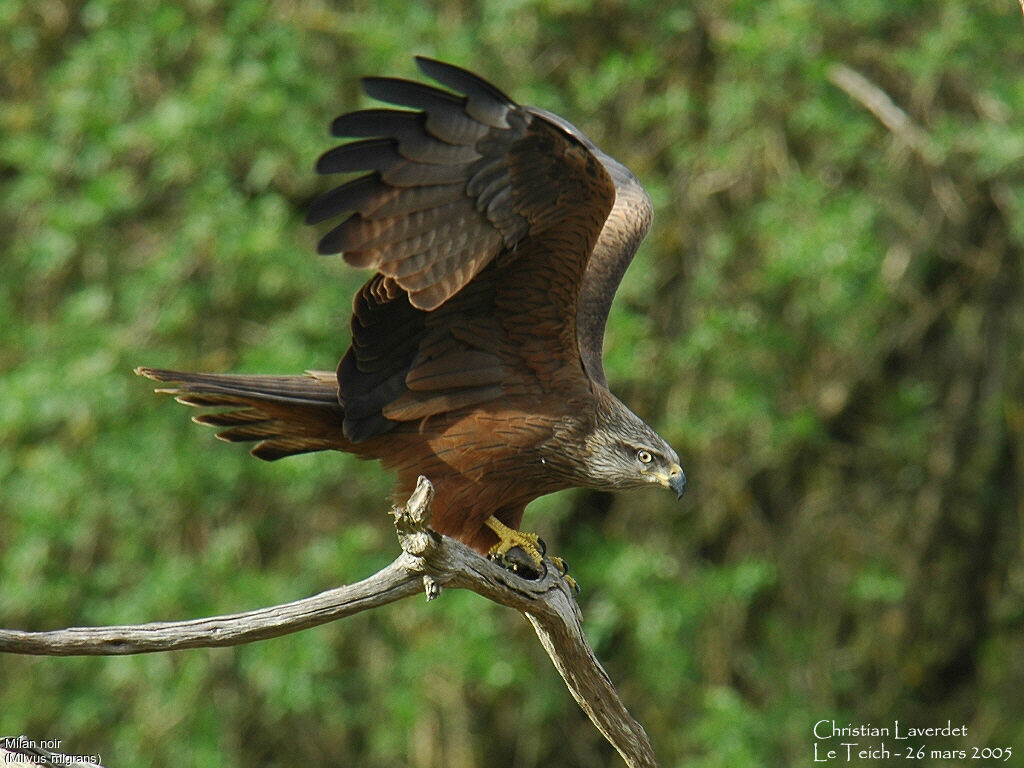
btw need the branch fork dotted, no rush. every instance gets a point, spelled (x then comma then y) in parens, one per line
(428, 562)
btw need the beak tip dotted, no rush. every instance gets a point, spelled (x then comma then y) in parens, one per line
(678, 484)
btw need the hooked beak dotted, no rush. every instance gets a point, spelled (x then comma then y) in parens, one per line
(676, 480)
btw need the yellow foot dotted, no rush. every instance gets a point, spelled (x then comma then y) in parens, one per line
(523, 553)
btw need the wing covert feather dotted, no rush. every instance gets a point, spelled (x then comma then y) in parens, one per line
(443, 187)
(454, 180)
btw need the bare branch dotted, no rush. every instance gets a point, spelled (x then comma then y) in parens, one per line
(397, 580)
(878, 103)
(906, 131)
(428, 562)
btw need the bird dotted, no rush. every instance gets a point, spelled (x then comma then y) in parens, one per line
(497, 234)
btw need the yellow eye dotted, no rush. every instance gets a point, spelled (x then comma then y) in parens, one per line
(644, 457)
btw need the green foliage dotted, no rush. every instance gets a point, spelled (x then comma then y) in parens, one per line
(825, 321)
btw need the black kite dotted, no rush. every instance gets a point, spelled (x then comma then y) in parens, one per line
(498, 234)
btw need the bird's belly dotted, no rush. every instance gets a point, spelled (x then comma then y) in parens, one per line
(482, 463)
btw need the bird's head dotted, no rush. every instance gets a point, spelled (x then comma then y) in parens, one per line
(623, 452)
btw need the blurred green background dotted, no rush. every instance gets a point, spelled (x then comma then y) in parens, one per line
(826, 321)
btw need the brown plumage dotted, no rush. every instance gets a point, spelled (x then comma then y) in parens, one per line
(498, 234)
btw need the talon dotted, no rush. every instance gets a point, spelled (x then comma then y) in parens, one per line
(563, 571)
(573, 584)
(518, 561)
(523, 553)
(510, 538)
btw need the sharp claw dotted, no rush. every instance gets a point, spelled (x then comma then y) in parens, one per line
(518, 561)
(524, 553)
(563, 571)
(573, 584)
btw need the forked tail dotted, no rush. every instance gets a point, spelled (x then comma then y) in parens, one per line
(283, 415)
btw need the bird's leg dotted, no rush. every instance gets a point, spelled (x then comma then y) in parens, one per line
(523, 553)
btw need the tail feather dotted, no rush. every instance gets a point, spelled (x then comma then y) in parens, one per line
(283, 415)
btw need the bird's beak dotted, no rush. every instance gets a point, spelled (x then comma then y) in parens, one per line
(676, 480)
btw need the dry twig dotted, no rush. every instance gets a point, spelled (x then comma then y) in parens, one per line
(428, 562)
(877, 102)
(910, 134)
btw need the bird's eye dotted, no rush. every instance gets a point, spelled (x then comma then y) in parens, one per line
(644, 457)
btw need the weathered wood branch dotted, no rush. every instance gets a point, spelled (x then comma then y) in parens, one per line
(428, 562)
(880, 104)
(898, 122)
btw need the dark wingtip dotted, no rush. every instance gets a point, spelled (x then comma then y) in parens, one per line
(461, 80)
(428, 65)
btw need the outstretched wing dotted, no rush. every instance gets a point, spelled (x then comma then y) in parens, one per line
(488, 225)
(623, 231)
(458, 181)
(455, 180)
